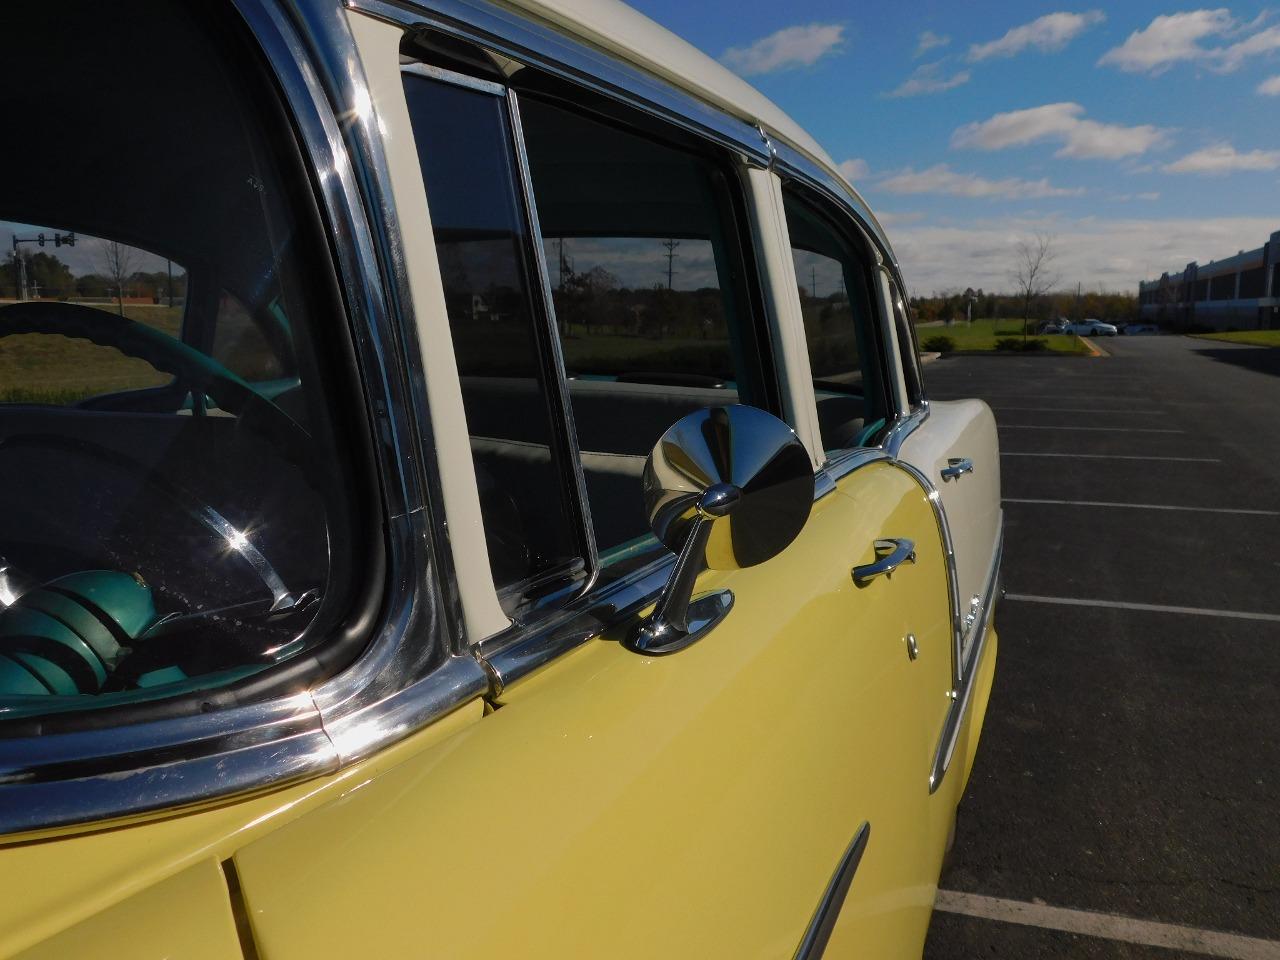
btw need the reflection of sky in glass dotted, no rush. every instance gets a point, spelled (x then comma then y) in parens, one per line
(638, 263)
(819, 276)
(84, 258)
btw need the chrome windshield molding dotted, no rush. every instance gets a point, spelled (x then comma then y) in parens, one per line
(457, 79)
(816, 936)
(960, 704)
(537, 44)
(949, 556)
(406, 676)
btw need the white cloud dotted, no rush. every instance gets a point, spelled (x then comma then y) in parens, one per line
(942, 179)
(1150, 195)
(1263, 42)
(930, 41)
(1113, 253)
(1063, 122)
(928, 78)
(1051, 32)
(1223, 158)
(855, 169)
(1270, 87)
(788, 48)
(1176, 37)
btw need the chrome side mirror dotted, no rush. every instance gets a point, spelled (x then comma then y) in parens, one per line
(725, 488)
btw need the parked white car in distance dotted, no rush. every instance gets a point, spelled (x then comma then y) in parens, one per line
(1091, 328)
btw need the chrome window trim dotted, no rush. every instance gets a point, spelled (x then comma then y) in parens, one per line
(542, 46)
(568, 431)
(963, 694)
(431, 72)
(409, 674)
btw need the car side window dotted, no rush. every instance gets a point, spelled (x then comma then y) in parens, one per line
(835, 278)
(466, 151)
(642, 238)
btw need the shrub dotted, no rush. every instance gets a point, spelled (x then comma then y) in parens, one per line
(1008, 343)
(940, 344)
(1035, 345)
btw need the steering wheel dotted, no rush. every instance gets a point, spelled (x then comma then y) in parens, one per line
(163, 352)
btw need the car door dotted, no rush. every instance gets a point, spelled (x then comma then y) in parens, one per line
(612, 803)
(954, 444)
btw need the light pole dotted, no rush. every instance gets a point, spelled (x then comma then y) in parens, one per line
(58, 240)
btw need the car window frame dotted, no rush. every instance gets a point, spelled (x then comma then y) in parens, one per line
(397, 663)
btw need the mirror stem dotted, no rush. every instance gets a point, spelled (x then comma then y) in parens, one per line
(672, 612)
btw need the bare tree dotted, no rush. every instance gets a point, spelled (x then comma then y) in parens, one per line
(1032, 272)
(117, 262)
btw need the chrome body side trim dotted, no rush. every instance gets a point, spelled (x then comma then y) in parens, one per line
(409, 674)
(816, 936)
(964, 693)
(949, 554)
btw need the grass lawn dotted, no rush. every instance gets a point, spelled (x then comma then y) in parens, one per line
(983, 334)
(1256, 338)
(42, 368)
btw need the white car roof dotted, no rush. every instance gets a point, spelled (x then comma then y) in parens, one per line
(631, 36)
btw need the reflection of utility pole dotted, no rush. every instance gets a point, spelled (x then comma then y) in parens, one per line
(813, 282)
(560, 280)
(58, 240)
(170, 266)
(671, 256)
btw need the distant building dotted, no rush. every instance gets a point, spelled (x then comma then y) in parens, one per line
(1241, 292)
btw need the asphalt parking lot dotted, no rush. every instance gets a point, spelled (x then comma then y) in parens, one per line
(1126, 797)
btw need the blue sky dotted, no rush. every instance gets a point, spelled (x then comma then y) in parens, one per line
(1140, 135)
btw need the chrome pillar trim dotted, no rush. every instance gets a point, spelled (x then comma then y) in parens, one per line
(325, 86)
(844, 463)
(567, 431)
(949, 551)
(903, 427)
(818, 933)
(540, 45)
(792, 164)
(963, 694)
(769, 147)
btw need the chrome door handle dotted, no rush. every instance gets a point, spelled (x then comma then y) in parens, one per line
(956, 467)
(890, 554)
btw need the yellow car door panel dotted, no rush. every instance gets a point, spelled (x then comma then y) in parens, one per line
(691, 805)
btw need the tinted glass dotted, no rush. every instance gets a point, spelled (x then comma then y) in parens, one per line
(465, 148)
(168, 527)
(647, 276)
(835, 289)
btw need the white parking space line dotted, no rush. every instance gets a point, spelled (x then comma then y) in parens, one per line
(1146, 607)
(1145, 506)
(1145, 413)
(1108, 926)
(1108, 456)
(1037, 426)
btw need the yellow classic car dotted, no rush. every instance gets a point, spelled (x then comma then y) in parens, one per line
(469, 492)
